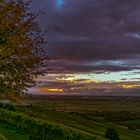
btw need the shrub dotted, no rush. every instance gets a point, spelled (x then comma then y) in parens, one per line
(7, 106)
(111, 134)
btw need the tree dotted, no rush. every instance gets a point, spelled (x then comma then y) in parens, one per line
(22, 56)
(111, 134)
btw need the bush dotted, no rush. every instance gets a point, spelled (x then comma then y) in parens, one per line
(7, 106)
(111, 134)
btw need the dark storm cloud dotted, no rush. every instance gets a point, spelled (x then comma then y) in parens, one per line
(91, 51)
(90, 31)
(63, 66)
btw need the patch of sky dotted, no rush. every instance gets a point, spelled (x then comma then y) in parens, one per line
(118, 76)
(59, 3)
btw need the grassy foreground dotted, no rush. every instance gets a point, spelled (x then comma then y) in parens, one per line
(71, 119)
(90, 115)
(44, 130)
(10, 133)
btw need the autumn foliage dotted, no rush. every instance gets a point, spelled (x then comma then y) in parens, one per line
(22, 56)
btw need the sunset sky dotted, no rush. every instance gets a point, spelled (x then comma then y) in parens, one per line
(93, 45)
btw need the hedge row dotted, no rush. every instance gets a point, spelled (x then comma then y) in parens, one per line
(42, 130)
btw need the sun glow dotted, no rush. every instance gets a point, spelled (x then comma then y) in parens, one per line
(128, 86)
(52, 89)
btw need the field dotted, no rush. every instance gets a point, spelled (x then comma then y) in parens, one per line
(91, 115)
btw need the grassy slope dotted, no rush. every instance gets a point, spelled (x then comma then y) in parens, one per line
(46, 110)
(11, 134)
(77, 134)
(76, 121)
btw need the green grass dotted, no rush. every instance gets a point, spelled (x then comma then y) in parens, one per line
(11, 133)
(77, 121)
(85, 115)
(39, 129)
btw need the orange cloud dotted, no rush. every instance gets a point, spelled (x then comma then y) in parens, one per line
(51, 89)
(128, 86)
